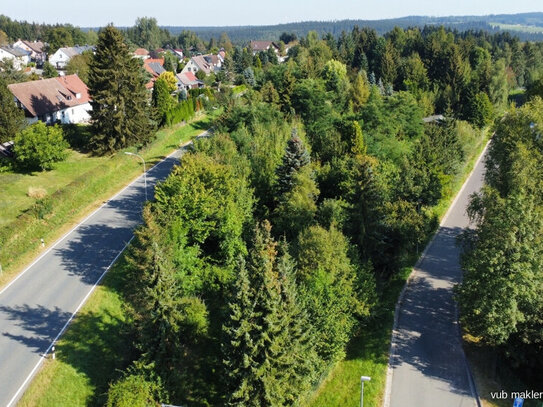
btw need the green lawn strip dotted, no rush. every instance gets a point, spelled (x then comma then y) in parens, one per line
(63, 208)
(92, 352)
(368, 351)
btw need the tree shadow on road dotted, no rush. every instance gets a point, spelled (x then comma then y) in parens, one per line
(428, 334)
(40, 324)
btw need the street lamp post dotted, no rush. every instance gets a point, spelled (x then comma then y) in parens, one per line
(362, 380)
(144, 170)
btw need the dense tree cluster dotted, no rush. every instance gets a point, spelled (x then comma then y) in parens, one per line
(261, 253)
(501, 294)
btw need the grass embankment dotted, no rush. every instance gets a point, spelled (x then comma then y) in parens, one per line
(74, 188)
(368, 351)
(91, 353)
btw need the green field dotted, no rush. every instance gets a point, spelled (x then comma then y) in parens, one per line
(73, 189)
(532, 29)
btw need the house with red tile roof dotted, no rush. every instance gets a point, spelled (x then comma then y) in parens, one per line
(187, 81)
(64, 99)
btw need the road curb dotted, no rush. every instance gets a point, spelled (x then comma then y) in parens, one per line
(412, 275)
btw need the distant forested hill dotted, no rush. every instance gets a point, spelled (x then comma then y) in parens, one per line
(527, 26)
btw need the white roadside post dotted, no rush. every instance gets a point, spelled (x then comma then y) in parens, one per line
(144, 170)
(362, 380)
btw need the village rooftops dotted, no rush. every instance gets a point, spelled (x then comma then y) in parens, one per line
(49, 95)
(16, 51)
(36, 46)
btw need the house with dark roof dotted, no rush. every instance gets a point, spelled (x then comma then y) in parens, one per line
(207, 63)
(19, 56)
(262, 46)
(36, 49)
(188, 81)
(154, 66)
(63, 55)
(64, 99)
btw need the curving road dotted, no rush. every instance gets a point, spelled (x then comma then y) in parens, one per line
(427, 366)
(37, 305)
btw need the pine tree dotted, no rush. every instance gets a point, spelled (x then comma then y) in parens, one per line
(270, 356)
(296, 157)
(11, 117)
(119, 115)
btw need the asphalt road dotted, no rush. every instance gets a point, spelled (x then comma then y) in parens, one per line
(38, 304)
(427, 361)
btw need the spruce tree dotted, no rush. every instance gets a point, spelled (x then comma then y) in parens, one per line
(296, 157)
(11, 117)
(119, 115)
(269, 354)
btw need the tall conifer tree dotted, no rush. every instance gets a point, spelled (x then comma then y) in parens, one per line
(269, 353)
(119, 116)
(11, 117)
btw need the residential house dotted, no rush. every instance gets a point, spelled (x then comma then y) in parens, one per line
(141, 53)
(63, 55)
(19, 56)
(262, 46)
(178, 53)
(63, 99)
(188, 81)
(207, 63)
(154, 66)
(36, 49)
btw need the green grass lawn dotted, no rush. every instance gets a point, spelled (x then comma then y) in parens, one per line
(14, 198)
(74, 188)
(532, 29)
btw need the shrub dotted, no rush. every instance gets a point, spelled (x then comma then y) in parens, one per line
(38, 147)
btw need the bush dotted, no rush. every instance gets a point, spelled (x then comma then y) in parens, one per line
(132, 391)
(38, 147)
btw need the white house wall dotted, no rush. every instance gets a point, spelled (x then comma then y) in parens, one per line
(18, 62)
(59, 59)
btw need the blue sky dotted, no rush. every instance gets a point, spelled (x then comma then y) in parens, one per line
(247, 12)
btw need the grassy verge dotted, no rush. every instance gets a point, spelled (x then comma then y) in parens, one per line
(75, 189)
(91, 353)
(367, 353)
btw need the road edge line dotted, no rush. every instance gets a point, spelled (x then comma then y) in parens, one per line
(26, 382)
(394, 334)
(60, 239)
(83, 301)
